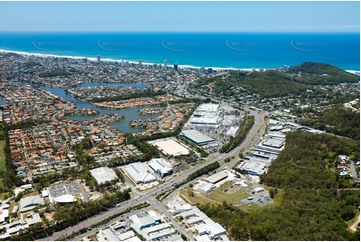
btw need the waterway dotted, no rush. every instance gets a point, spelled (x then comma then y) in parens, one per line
(128, 113)
(2, 101)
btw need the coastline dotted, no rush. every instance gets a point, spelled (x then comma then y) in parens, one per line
(94, 59)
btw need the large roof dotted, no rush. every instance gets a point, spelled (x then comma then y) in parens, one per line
(160, 165)
(65, 199)
(196, 136)
(139, 173)
(31, 202)
(217, 177)
(103, 174)
(171, 147)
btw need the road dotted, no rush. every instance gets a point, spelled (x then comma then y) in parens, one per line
(159, 206)
(252, 137)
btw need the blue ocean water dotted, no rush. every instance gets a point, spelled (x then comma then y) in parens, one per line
(236, 50)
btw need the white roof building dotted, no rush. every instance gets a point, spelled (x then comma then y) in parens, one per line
(219, 176)
(29, 203)
(103, 174)
(207, 188)
(170, 147)
(196, 137)
(3, 215)
(161, 166)
(232, 131)
(64, 199)
(206, 115)
(213, 230)
(145, 219)
(138, 172)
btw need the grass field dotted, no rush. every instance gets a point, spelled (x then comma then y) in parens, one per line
(2, 155)
(218, 196)
(233, 198)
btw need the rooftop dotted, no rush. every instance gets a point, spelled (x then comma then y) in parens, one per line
(196, 136)
(103, 174)
(139, 173)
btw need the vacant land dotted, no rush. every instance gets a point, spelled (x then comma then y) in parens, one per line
(225, 193)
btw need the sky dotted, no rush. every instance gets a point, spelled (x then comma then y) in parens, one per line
(181, 16)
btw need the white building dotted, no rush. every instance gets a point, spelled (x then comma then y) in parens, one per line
(104, 174)
(170, 146)
(138, 172)
(207, 115)
(145, 219)
(30, 203)
(161, 166)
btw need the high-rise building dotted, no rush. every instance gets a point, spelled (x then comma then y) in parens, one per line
(210, 70)
(175, 67)
(140, 62)
(165, 64)
(202, 69)
(98, 58)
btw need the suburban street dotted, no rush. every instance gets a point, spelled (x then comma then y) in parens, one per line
(254, 134)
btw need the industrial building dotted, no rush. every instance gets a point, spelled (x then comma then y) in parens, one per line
(170, 146)
(30, 203)
(211, 231)
(232, 131)
(254, 166)
(198, 221)
(145, 219)
(104, 174)
(277, 143)
(206, 116)
(207, 188)
(217, 177)
(160, 166)
(139, 173)
(178, 205)
(197, 137)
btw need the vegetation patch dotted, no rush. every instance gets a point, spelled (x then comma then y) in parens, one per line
(322, 74)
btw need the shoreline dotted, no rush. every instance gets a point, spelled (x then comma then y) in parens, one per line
(94, 59)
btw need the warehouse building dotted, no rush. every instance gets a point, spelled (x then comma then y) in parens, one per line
(161, 166)
(170, 146)
(197, 137)
(217, 177)
(104, 174)
(206, 116)
(145, 219)
(139, 173)
(254, 166)
(210, 231)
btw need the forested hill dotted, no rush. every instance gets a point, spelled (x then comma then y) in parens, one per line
(268, 84)
(322, 74)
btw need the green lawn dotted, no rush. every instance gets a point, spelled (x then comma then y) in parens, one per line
(231, 198)
(2, 155)
(218, 196)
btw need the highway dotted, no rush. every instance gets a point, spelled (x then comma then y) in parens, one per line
(254, 134)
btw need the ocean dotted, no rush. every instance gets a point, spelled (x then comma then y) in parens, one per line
(222, 50)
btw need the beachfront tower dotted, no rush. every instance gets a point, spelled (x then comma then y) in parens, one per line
(175, 67)
(165, 63)
(140, 62)
(98, 58)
